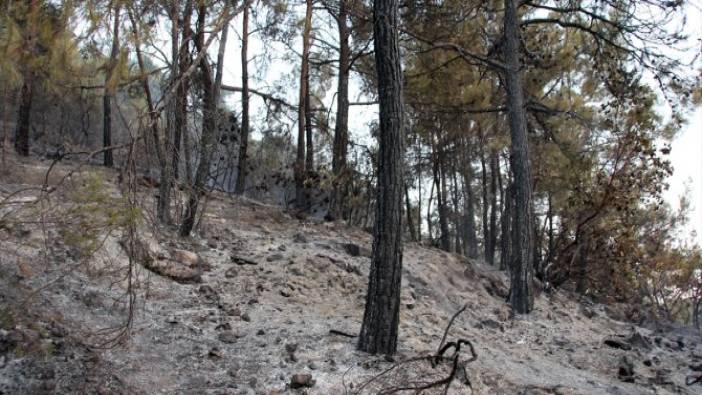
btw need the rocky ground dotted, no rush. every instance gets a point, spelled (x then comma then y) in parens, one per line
(260, 302)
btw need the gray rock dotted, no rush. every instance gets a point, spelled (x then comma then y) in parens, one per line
(301, 380)
(299, 238)
(626, 370)
(228, 337)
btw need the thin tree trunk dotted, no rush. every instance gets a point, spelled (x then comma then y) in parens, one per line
(341, 128)
(24, 114)
(244, 138)
(209, 94)
(429, 225)
(408, 211)
(300, 163)
(471, 239)
(381, 318)
(486, 203)
(108, 159)
(492, 230)
(163, 210)
(153, 115)
(458, 237)
(521, 287)
(181, 116)
(442, 200)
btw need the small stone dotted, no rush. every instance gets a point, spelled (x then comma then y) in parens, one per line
(274, 257)
(233, 311)
(312, 365)
(245, 317)
(208, 293)
(626, 370)
(260, 332)
(284, 293)
(172, 319)
(299, 238)
(228, 337)
(301, 380)
(282, 247)
(617, 343)
(231, 272)
(215, 353)
(352, 249)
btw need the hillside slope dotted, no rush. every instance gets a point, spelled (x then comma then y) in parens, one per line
(262, 310)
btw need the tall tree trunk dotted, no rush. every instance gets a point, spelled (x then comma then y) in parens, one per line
(486, 203)
(309, 156)
(24, 114)
(341, 128)
(181, 100)
(153, 115)
(302, 113)
(209, 117)
(492, 230)
(521, 287)
(163, 210)
(506, 228)
(442, 199)
(108, 159)
(244, 138)
(419, 192)
(27, 91)
(430, 228)
(458, 236)
(470, 238)
(408, 212)
(381, 318)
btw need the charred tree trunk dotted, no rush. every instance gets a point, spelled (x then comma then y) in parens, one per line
(244, 138)
(486, 203)
(492, 229)
(382, 313)
(506, 229)
(209, 116)
(302, 113)
(521, 292)
(408, 212)
(27, 91)
(181, 100)
(469, 232)
(108, 158)
(341, 128)
(163, 210)
(24, 115)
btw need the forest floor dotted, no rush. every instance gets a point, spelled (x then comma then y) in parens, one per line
(264, 314)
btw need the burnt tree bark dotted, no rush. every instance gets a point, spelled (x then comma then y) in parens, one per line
(521, 271)
(27, 90)
(244, 138)
(492, 229)
(381, 318)
(302, 113)
(108, 157)
(207, 139)
(181, 99)
(341, 128)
